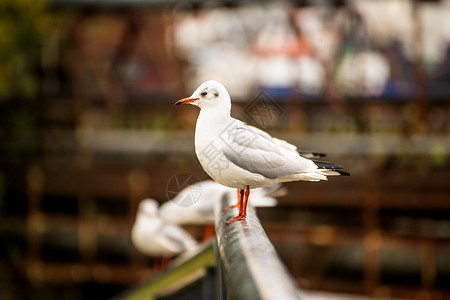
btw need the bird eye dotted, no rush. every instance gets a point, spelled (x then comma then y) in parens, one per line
(204, 94)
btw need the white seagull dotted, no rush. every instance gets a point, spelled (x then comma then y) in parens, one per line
(204, 195)
(241, 156)
(151, 236)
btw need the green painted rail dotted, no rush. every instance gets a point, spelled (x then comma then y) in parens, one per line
(174, 277)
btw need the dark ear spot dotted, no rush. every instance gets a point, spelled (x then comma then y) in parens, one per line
(216, 94)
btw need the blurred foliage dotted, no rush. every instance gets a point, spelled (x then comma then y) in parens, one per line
(19, 135)
(22, 27)
(2, 190)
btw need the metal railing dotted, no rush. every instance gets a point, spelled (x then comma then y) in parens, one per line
(251, 266)
(243, 264)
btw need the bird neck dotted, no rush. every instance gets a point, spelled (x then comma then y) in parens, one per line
(214, 115)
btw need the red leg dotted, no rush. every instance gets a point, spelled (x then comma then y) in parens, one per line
(156, 264)
(245, 201)
(242, 206)
(237, 204)
(209, 232)
(165, 262)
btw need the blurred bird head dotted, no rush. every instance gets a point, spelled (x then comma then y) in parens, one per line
(148, 207)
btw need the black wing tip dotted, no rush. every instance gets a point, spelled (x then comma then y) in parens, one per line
(343, 173)
(327, 165)
(318, 154)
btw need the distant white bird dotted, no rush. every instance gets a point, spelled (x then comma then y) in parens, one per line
(240, 156)
(151, 236)
(204, 195)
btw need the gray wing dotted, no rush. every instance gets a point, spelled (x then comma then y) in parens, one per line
(276, 141)
(256, 151)
(286, 145)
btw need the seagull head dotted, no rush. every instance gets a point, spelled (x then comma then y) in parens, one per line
(148, 207)
(208, 95)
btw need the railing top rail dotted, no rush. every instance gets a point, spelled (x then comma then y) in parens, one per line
(251, 265)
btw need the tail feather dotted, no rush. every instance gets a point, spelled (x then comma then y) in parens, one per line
(335, 173)
(312, 155)
(323, 170)
(330, 169)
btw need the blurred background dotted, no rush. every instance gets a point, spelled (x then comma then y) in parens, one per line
(88, 129)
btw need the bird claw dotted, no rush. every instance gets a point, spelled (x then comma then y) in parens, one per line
(237, 218)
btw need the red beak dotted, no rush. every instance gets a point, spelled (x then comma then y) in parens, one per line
(186, 101)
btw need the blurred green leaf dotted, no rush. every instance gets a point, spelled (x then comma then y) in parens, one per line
(22, 28)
